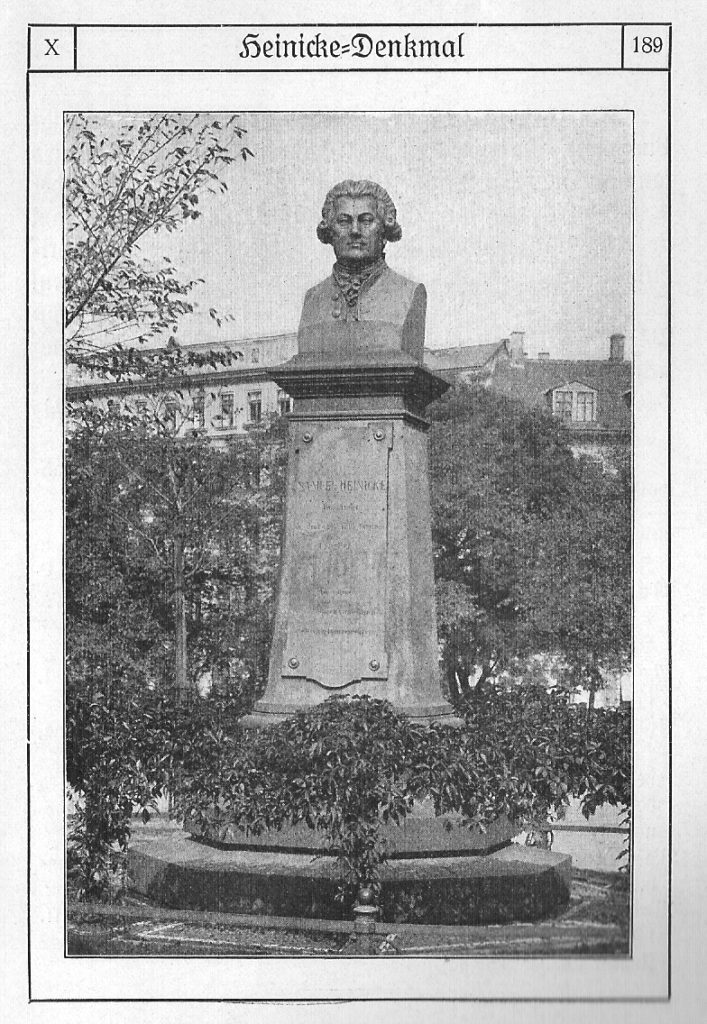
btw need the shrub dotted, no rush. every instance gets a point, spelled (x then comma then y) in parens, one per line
(339, 767)
(344, 767)
(126, 745)
(352, 763)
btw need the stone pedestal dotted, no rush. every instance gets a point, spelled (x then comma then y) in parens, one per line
(356, 606)
(514, 883)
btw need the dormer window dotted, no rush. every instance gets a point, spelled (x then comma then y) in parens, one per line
(574, 402)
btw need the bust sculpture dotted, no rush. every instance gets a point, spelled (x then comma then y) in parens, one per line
(364, 308)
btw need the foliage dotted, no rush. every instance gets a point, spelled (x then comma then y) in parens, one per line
(352, 763)
(532, 546)
(566, 749)
(504, 485)
(171, 548)
(337, 767)
(344, 767)
(126, 179)
(126, 743)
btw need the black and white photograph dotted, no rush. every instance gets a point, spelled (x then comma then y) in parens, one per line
(348, 572)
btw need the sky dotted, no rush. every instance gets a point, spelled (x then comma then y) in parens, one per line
(513, 221)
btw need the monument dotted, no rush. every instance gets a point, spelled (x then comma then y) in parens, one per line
(356, 609)
(356, 606)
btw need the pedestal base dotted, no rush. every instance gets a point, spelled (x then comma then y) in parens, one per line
(421, 834)
(516, 883)
(264, 715)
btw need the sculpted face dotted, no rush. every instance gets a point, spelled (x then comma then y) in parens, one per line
(356, 229)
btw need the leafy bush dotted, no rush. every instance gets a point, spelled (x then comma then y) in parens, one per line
(352, 764)
(127, 745)
(339, 767)
(344, 768)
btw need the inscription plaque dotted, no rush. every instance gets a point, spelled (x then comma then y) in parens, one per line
(337, 545)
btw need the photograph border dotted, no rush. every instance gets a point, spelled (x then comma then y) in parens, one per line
(633, 442)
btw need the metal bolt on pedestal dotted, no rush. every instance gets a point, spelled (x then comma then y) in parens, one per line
(293, 663)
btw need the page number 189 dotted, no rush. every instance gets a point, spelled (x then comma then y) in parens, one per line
(647, 44)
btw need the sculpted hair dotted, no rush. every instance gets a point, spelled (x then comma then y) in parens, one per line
(354, 190)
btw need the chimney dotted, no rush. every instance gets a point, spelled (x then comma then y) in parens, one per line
(543, 355)
(515, 347)
(616, 348)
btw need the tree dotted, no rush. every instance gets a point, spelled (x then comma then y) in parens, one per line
(577, 592)
(135, 501)
(171, 544)
(125, 179)
(532, 546)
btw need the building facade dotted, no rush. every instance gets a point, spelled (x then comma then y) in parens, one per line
(591, 397)
(213, 401)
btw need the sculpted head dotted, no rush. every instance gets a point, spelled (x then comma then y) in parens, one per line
(358, 218)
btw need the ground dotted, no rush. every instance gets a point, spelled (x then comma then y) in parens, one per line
(596, 923)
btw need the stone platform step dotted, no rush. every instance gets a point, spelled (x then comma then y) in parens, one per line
(512, 884)
(420, 834)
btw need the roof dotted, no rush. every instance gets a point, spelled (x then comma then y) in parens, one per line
(193, 330)
(197, 333)
(464, 357)
(576, 385)
(531, 381)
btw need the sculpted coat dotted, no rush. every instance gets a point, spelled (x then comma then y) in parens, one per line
(387, 313)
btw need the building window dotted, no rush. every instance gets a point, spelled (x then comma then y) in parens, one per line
(170, 415)
(255, 406)
(563, 404)
(228, 412)
(586, 407)
(255, 355)
(198, 419)
(575, 403)
(284, 403)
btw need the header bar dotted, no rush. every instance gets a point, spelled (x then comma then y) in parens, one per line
(349, 47)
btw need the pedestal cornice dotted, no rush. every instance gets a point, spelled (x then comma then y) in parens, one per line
(407, 386)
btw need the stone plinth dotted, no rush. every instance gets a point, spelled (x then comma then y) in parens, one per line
(420, 834)
(515, 883)
(356, 606)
